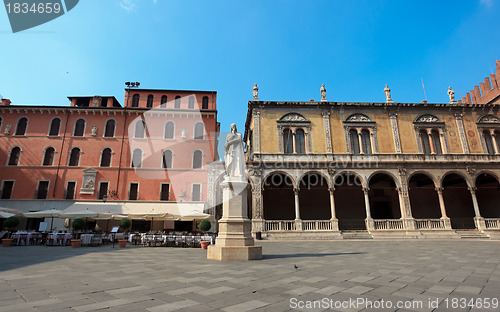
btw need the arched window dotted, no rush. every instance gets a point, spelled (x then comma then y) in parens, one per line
(426, 146)
(140, 129)
(22, 124)
(74, 157)
(177, 103)
(436, 142)
(164, 101)
(167, 159)
(135, 100)
(79, 127)
(287, 141)
(199, 128)
(204, 102)
(365, 141)
(48, 158)
(354, 141)
(15, 155)
(106, 157)
(300, 143)
(109, 129)
(197, 157)
(169, 130)
(191, 102)
(489, 142)
(55, 124)
(150, 101)
(136, 158)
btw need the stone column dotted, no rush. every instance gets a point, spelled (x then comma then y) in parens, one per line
(293, 136)
(440, 190)
(298, 221)
(370, 225)
(461, 132)
(328, 137)
(395, 131)
(478, 219)
(431, 141)
(360, 142)
(257, 207)
(256, 132)
(494, 141)
(333, 219)
(332, 203)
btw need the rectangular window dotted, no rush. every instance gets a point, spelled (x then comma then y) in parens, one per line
(165, 191)
(103, 190)
(7, 187)
(133, 193)
(70, 190)
(196, 192)
(43, 190)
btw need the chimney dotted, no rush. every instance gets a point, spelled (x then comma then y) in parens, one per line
(424, 102)
(5, 102)
(311, 100)
(96, 101)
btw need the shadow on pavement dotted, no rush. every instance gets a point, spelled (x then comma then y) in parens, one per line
(22, 256)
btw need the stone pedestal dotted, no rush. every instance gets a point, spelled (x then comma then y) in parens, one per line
(235, 241)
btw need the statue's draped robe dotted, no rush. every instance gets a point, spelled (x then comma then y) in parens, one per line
(234, 158)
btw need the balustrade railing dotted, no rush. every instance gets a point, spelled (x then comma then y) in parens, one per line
(316, 225)
(388, 224)
(289, 225)
(429, 224)
(492, 223)
(279, 225)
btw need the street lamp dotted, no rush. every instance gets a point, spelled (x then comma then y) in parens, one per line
(105, 198)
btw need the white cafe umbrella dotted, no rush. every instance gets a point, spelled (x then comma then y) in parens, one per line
(84, 214)
(151, 215)
(51, 213)
(196, 215)
(6, 215)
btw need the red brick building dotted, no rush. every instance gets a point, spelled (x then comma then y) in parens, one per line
(153, 150)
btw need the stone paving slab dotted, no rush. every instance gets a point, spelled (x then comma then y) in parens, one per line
(35, 278)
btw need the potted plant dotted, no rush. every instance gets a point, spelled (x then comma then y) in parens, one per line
(77, 225)
(11, 223)
(204, 226)
(124, 224)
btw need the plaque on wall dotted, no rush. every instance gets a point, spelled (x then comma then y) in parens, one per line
(88, 182)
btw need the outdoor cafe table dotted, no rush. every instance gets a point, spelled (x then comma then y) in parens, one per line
(26, 237)
(56, 238)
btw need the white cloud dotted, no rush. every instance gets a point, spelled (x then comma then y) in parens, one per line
(487, 3)
(128, 5)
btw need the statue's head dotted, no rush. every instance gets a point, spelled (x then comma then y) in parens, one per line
(233, 127)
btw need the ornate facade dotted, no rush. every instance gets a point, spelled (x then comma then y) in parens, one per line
(333, 169)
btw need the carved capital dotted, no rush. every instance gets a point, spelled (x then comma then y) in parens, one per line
(296, 190)
(366, 190)
(439, 190)
(472, 189)
(331, 190)
(402, 171)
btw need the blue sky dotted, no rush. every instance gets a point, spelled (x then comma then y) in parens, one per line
(288, 47)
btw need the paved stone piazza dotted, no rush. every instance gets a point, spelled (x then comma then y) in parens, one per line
(154, 279)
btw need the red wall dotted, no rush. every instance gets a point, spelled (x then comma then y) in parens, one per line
(181, 176)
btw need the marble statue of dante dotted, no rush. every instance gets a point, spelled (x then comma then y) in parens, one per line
(451, 94)
(255, 91)
(387, 92)
(234, 156)
(323, 92)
